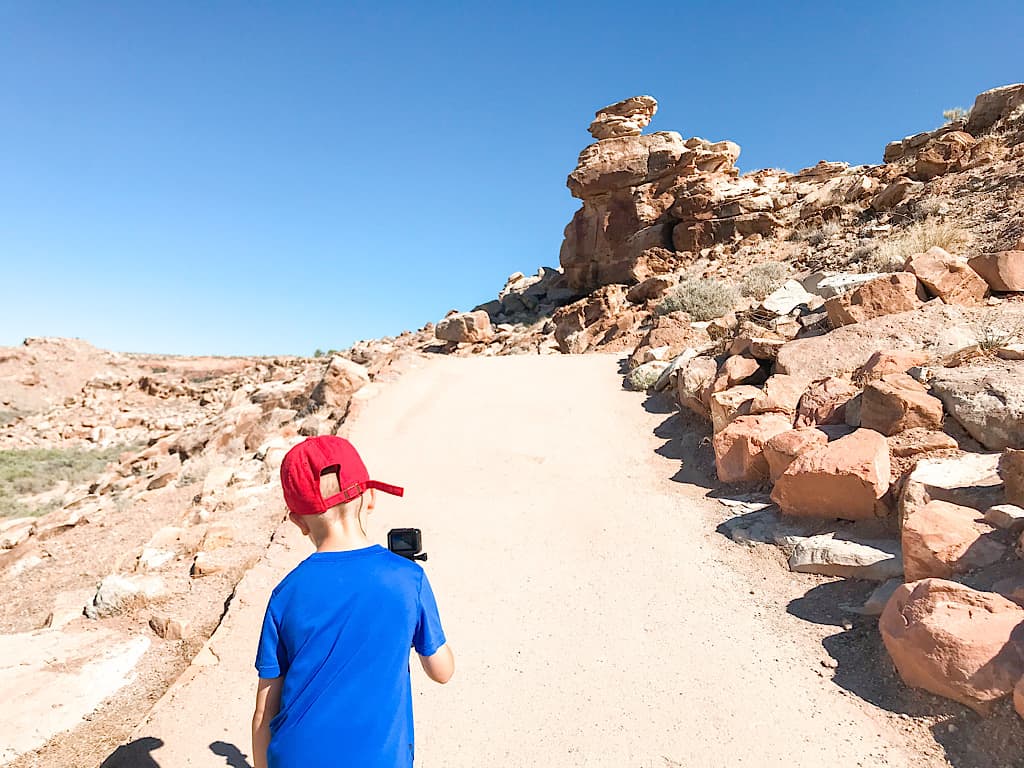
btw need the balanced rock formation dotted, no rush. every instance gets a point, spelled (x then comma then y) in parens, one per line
(624, 118)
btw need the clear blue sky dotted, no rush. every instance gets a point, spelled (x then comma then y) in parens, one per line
(262, 178)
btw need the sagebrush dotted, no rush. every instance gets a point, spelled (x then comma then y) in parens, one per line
(701, 298)
(762, 279)
(643, 378)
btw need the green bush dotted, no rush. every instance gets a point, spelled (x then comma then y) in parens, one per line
(701, 299)
(36, 470)
(762, 279)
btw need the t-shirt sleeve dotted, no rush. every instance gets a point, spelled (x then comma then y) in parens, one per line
(429, 636)
(271, 660)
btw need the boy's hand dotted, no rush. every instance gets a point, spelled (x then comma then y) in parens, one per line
(440, 666)
(268, 702)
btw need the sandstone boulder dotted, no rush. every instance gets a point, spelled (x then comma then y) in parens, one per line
(895, 193)
(624, 118)
(626, 161)
(465, 328)
(897, 402)
(673, 331)
(1007, 517)
(987, 399)
(781, 450)
(729, 404)
(846, 349)
(846, 478)
(1011, 470)
(1003, 271)
(954, 641)
(737, 369)
(942, 154)
(693, 385)
(739, 447)
(580, 325)
(888, 295)
(847, 557)
(117, 593)
(342, 378)
(652, 288)
(781, 394)
(970, 480)
(883, 363)
(941, 539)
(825, 402)
(917, 440)
(948, 277)
(994, 106)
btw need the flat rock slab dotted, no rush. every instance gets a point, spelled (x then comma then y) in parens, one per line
(848, 557)
(57, 678)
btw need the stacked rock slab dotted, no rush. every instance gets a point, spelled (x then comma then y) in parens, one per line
(629, 183)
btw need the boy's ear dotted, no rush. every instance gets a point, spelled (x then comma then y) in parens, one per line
(372, 501)
(300, 523)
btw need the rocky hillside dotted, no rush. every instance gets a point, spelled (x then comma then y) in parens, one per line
(851, 339)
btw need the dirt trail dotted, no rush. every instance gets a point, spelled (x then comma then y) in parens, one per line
(594, 613)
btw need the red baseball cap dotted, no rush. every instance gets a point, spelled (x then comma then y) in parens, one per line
(305, 462)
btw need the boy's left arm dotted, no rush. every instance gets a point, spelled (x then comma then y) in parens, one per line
(268, 702)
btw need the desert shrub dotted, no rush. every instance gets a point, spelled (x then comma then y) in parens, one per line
(994, 330)
(643, 377)
(816, 234)
(955, 114)
(701, 298)
(892, 253)
(36, 470)
(762, 279)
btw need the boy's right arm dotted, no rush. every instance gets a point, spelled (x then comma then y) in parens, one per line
(440, 665)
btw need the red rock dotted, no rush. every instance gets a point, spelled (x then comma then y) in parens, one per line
(954, 641)
(781, 450)
(942, 154)
(1003, 271)
(342, 378)
(737, 369)
(1018, 697)
(897, 402)
(739, 456)
(882, 363)
(824, 402)
(947, 276)
(941, 539)
(898, 292)
(465, 327)
(781, 394)
(693, 383)
(912, 442)
(652, 288)
(1011, 471)
(731, 403)
(673, 331)
(846, 478)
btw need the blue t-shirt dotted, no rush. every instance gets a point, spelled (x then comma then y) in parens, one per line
(338, 628)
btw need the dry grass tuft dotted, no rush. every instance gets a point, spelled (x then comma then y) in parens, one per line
(702, 299)
(33, 471)
(762, 279)
(891, 254)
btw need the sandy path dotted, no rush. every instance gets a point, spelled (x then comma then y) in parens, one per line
(585, 595)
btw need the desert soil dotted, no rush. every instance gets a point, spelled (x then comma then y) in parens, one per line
(597, 617)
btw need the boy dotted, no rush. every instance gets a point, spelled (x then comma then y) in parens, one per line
(333, 657)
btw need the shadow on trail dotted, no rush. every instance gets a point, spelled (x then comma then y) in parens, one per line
(134, 754)
(233, 755)
(686, 440)
(863, 668)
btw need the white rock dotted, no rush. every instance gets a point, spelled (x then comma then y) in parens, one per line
(847, 557)
(844, 282)
(787, 298)
(116, 592)
(15, 530)
(1006, 516)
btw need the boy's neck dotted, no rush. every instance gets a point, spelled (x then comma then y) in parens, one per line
(342, 536)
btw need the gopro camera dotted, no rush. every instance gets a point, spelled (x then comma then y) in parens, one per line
(406, 542)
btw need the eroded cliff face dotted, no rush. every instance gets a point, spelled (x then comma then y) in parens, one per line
(654, 203)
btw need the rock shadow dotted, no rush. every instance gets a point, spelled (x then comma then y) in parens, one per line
(234, 757)
(687, 440)
(134, 754)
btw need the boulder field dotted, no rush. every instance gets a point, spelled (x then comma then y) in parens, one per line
(853, 338)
